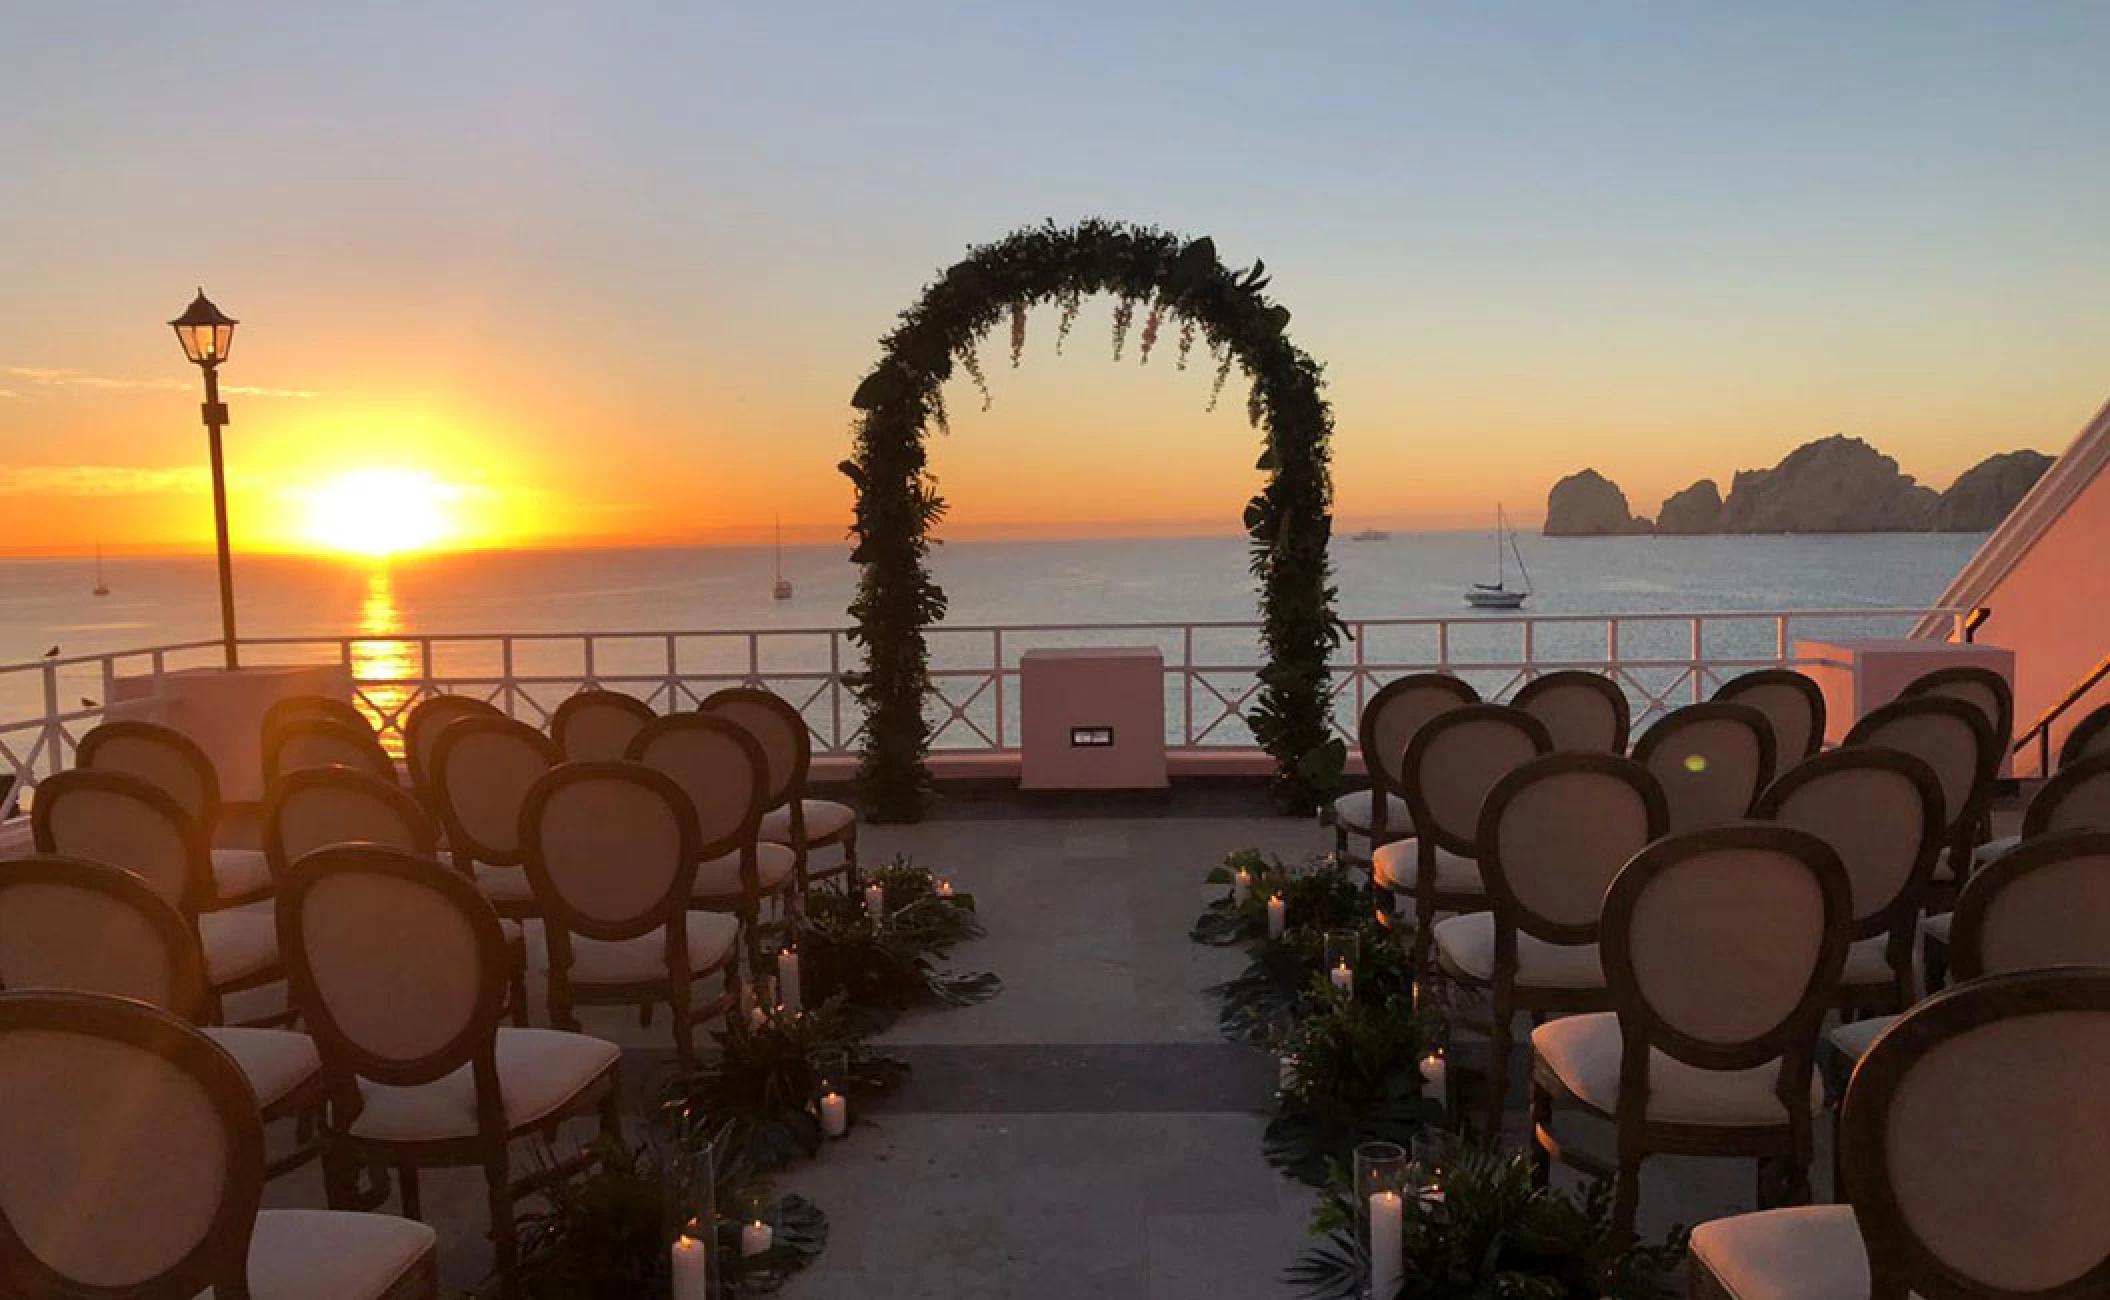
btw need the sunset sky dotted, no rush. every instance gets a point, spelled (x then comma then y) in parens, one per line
(609, 272)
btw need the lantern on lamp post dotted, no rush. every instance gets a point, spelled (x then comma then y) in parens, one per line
(207, 333)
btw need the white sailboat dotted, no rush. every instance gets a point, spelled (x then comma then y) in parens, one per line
(1499, 594)
(101, 588)
(783, 587)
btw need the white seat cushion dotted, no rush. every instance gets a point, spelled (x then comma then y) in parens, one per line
(633, 961)
(1810, 1252)
(275, 1061)
(540, 1072)
(1393, 866)
(1868, 962)
(238, 943)
(824, 820)
(504, 884)
(1466, 947)
(1937, 927)
(240, 873)
(325, 1255)
(1854, 1038)
(1353, 810)
(720, 877)
(1583, 1052)
(1992, 849)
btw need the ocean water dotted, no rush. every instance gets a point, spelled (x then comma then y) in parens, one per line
(48, 602)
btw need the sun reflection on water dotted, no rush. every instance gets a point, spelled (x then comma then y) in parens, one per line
(383, 669)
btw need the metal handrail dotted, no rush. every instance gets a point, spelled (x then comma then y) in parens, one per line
(2040, 730)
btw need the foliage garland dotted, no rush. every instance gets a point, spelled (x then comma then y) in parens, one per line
(1289, 522)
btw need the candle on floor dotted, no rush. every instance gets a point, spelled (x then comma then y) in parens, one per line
(1343, 978)
(691, 1267)
(1388, 1245)
(835, 1114)
(755, 1238)
(1277, 916)
(1435, 1075)
(788, 978)
(875, 902)
(1285, 1072)
(1241, 885)
(945, 889)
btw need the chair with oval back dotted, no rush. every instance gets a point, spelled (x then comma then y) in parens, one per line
(1954, 738)
(2012, 1204)
(165, 757)
(2076, 797)
(398, 966)
(612, 848)
(2090, 737)
(1582, 710)
(301, 743)
(80, 926)
(1981, 688)
(1712, 758)
(1450, 765)
(329, 708)
(794, 820)
(479, 772)
(1390, 719)
(1881, 810)
(596, 725)
(89, 1079)
(422, 726)
(726, 777)
(1794, 707)
(1722, 948)
(1553, 834)
(122, 821)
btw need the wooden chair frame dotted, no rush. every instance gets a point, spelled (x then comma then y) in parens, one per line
(191, 998)
(1964, 819)
(1513, 916)
(1898, 918)
(747, 903)
(1804, 685)
(790, 792)
(1966, 952)
(188, 752)
(1569, 679)
(2071, 777)
(1792, 1042)
(359, 740)
(1430, 832)
(1677, 720)
(1381, 768)
(422, 727)
(594, 697)
(466, 848)
(345, 1061)
(667, 914)
(2003, 719)
(2084, 733)
(1899, 1263)
(327, 707)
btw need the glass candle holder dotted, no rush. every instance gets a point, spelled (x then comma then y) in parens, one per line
(1381, 1194)
(1343, 950)
(1430, 1164)
(831, 1098)
(694, 1252)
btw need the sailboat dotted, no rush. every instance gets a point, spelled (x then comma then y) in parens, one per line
(101, 588)
(1499, 594)
(783, 587)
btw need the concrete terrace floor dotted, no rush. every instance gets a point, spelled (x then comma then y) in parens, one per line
(1085, 1133)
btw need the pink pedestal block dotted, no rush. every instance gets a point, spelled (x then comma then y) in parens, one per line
(1092, 719)
(1860, 676)
(224, 712)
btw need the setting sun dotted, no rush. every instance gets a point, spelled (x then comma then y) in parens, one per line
(381, 512)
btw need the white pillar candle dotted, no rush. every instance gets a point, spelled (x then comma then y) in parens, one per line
(691, 1268)
(835, 1114)
(875, 902)
(1388, 1245)
(1277, 916)
(1285, 1072)
(945, 889)
(755, 1238)
(1435, 1075)
(788, 978)
(1343, 978)
(1241, 885)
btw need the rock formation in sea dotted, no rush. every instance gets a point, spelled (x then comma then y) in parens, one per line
(1982, 495)
(1588, 504)
(1833, 485)
(1698, 509)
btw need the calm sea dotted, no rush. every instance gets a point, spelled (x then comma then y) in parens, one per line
(153, 601)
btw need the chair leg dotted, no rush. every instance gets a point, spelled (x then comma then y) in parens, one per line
(413, 1200)
(1626, 1195)
(519, 988)
(505, 1248)
(1541, 1125)
(1498, 1062)
(684, 1018)
(612, 1107)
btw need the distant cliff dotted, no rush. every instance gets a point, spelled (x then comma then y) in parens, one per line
(1833, 485)
(1589, 505)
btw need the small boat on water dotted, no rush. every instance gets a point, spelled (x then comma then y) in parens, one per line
(101, 588)
(1370, 535)
(1499, 594)
(783, 587)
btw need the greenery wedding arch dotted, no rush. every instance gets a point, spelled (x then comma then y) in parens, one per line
(1289, 521)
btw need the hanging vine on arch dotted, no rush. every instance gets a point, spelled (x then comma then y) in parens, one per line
(1289, 521)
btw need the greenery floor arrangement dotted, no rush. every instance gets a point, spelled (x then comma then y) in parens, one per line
(750, 1109)
(1356, 1057)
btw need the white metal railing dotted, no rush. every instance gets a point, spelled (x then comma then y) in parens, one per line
(1662, 660)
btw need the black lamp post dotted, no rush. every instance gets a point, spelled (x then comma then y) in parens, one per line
(206, 334)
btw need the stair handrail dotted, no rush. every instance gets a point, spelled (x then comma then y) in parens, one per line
(2040, 730)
